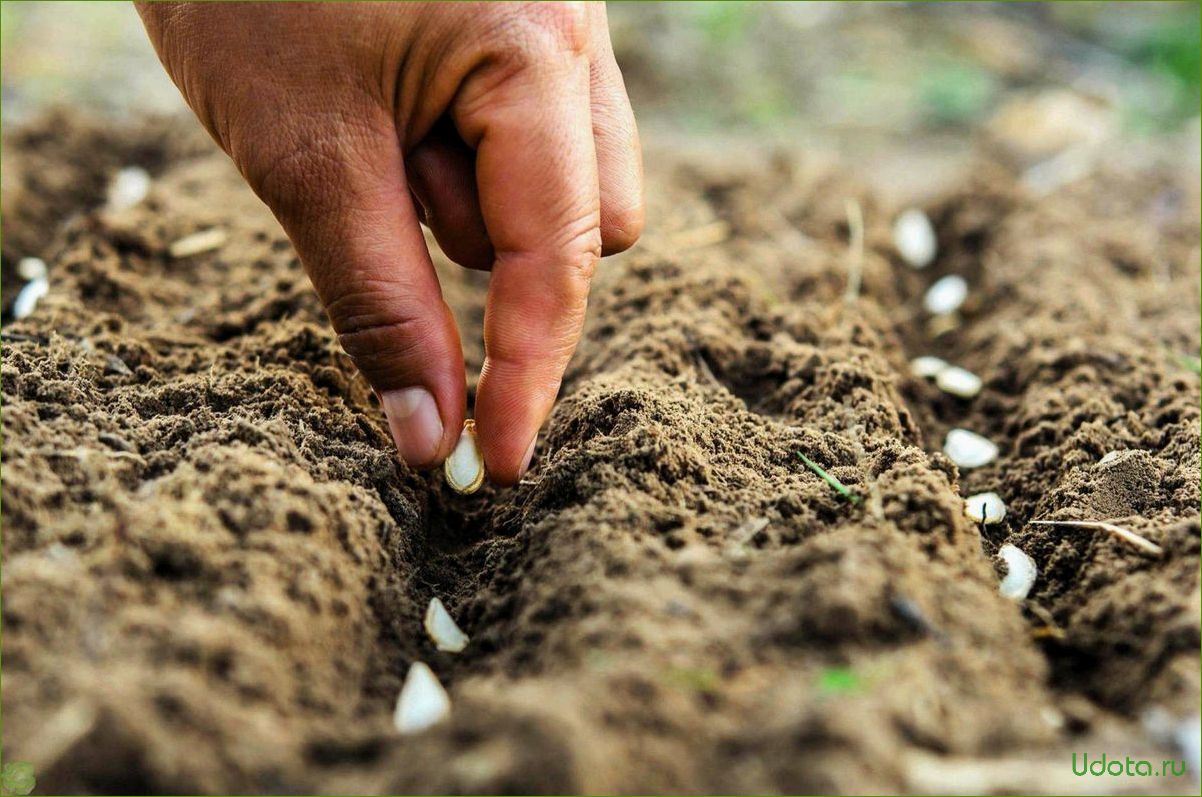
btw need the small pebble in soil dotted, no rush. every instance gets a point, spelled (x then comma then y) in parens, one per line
(958, 382)
(945, 295)
(1020, 573)
(985, 508)
(423, 702)
(27, 300)
(32, 268)
(198, 243)
(129, 186)
(914, 238)
(968, 449)
(927, 367)
(464, 469)
(443, 629)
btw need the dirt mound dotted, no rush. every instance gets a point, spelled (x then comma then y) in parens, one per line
(215, 567)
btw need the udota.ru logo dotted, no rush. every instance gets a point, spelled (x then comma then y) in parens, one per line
(1131, 767)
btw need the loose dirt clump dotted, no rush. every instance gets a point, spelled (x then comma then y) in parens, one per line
(215, 567)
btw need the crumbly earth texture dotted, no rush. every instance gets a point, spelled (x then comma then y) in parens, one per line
(215, 568)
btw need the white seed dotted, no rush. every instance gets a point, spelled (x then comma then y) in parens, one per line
(958, 382)
(422, 703)
(914, 238)
(464, 469)
(32, 268)
(1187, 736)
(1109, 457)
(1020, 573)
(945, 295)
(968, 449)
(29, 297)
(441, 627)
(128, 187)
(985, 508)
(927, 367)
(198, 242)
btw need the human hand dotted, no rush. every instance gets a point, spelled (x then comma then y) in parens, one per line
(505, 128)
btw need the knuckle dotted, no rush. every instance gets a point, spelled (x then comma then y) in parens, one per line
(538, 32)
(564, 26)
(581, 248)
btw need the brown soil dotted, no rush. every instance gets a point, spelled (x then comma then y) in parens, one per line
(215, 567)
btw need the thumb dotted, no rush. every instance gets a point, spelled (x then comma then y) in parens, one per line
(342, 197)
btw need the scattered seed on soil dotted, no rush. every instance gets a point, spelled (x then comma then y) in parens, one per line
(927, 367)
(945, 295)
(27, 300)
(968, 449)
(958, 382)
(443, 629)
(838, 486)
(32, 268)
(914, 238)
(422, 703)
(128, 187)
(464, 469)
(1020, 572)
(115, 365)
(1126, 535)
(198, 243)
(985, 508)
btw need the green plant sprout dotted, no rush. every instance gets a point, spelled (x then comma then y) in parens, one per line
(835, 484)
(838, 680)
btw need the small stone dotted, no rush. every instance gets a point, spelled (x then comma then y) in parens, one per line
(423, 702)
(985, 508)
(914, 238)
(958, 382)
(945, 295)
(968, 449)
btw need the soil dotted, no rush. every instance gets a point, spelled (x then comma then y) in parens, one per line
(215, 566)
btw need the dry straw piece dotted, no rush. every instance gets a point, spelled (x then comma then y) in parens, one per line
(1126, 535)
(464, 469)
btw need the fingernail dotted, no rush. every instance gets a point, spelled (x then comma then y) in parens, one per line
(415, 424)
(526, 459)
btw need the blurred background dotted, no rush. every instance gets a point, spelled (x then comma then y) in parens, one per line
(823, 69)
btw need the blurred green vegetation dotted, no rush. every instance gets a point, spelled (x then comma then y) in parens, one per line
(706, 66)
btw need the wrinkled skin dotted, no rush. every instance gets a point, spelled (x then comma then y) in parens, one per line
(503, 127)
